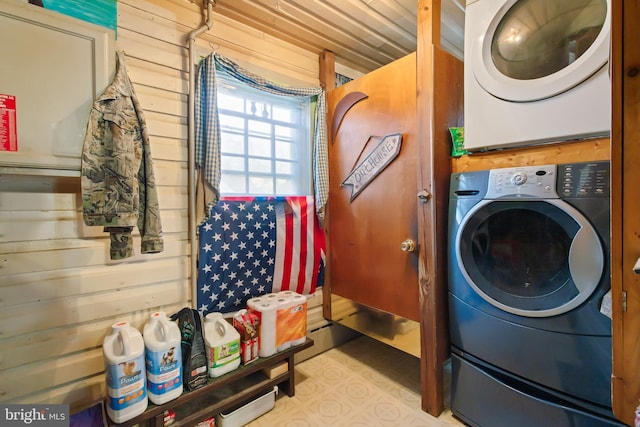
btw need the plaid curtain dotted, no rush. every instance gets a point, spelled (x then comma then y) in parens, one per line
(207, 128)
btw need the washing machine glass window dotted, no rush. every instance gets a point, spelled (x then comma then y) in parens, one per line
(536, 49)
(534, 258)
(537, 38)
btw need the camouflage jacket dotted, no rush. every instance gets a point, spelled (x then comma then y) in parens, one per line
(118, 186)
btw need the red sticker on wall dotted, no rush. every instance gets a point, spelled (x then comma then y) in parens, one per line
(8, 127)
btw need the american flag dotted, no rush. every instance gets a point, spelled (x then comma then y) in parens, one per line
(251, 246)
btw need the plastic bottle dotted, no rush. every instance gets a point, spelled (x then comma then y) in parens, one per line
(164, 358)
(223, 345)
(123, 351)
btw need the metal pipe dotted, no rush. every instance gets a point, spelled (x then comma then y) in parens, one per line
(191, 144)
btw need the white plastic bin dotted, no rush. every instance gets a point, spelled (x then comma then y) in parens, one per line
(249, 411)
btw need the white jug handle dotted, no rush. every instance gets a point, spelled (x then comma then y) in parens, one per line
(222, 329)
(126, 340)
(163, 331)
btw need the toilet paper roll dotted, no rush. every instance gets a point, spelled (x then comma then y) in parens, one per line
(267, 310)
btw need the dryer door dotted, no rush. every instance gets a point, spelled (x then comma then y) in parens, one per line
(534, 258)
(536, 49)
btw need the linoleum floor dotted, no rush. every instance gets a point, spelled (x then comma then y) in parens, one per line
(361, 383)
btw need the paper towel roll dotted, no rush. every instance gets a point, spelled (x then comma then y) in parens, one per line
(301, 302)
(267, 310)
(252, 302)
(283, 340)
(286, 293)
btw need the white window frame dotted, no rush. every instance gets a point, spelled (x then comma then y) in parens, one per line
(239, 162)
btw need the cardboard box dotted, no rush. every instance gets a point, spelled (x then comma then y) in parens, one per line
(275, 370)
(247, 324)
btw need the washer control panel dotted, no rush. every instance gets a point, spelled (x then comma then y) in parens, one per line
(523, 182)
(590, 179)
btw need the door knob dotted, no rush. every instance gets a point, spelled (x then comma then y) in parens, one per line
(408, 245)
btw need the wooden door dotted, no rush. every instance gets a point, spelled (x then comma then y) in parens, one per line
(366, 231)
(419, 96)
(625, 208)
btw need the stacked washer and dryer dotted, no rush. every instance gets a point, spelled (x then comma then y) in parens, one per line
(529, 246)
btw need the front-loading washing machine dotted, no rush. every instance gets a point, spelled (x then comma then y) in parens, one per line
(535, 71)
(528, 270)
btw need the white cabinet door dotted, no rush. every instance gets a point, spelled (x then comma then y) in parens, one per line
(53, 67)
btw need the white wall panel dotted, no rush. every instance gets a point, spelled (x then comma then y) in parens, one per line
(43, 225)
(68, 282)
(29, 257)
(59, 291)
(165, 148)
(42, 315)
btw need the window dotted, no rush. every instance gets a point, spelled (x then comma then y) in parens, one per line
(265, 141)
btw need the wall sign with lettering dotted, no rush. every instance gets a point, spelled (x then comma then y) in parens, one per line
(8, 128)
(371, 166)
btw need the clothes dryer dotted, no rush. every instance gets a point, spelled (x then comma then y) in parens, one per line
(528, 269)
(535, 71)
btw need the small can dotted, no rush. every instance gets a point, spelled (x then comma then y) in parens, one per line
(209, 422)
(255, 348)
(169, 417)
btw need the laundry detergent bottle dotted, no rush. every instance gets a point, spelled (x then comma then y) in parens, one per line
(123, 351)
(223, 345)
(163, 353)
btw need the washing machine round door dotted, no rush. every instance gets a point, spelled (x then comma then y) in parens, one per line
(536, 49)
(535, 258)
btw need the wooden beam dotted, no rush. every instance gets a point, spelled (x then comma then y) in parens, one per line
(439, 106)
(327, 79)
(327, 70)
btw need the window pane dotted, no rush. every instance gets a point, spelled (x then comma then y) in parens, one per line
(283, 114)
(232, 163)
(232, 143)
(287, 186)
(230, 101)
(286, 150)
(286, 132)
(228, 122)
(258, 165)
(233, 184)
(260, 147)
(259, 128)
(260, 185)
(284, 168)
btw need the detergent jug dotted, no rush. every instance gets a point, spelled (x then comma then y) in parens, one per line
(123, 351)
(223, 345)
(163, 353)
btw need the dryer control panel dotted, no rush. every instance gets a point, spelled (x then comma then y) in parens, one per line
(538, 182)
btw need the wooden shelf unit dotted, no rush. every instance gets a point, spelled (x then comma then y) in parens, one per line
(225, 392)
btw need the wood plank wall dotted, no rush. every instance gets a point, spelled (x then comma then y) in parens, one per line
(59, 292)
